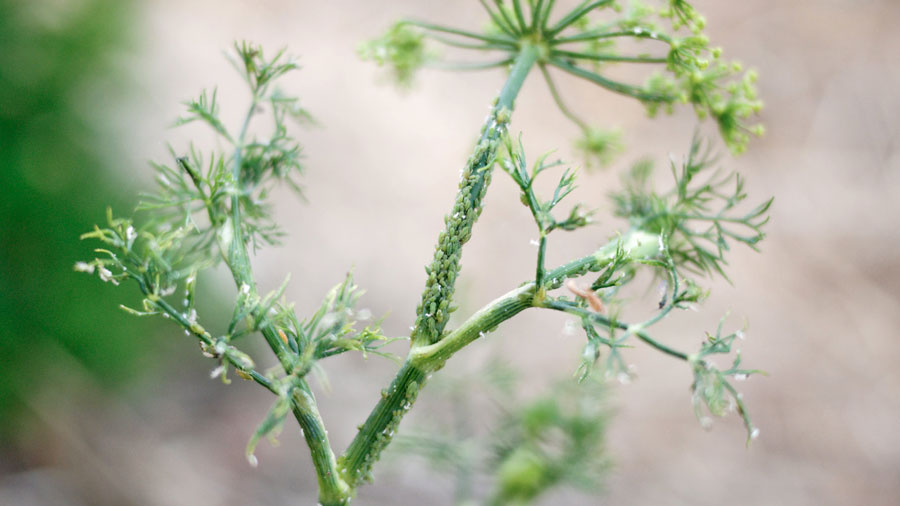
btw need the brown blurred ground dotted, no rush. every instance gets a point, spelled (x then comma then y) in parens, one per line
(822, 299)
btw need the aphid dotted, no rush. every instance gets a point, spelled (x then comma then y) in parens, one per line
(282, 336)
(589, 295)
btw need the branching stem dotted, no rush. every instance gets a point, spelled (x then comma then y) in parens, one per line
(554, 92)
(497, 20)
(607, 57)
(624, 89)
(574, 15)
(434, 311)
(332, 489)
(379, 428)
(503, 41)
(635, 330)
(639, 245)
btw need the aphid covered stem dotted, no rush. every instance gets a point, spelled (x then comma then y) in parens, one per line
(434, 310)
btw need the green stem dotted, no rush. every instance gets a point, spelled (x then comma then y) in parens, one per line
(545, 17)
(208, 340)
(554, 92)
(603, 34)
(509, 22)
(635, 330)
(607, 57)
(576, 14)
(497, 21)
(434, 356)
(378, 430)
(481, 46)
(463, 33)
(234, 245)
(542, 249)
(520, 16)
(537, 11)
(332, 489)
(624, 89)
(637, 245)
(434, 311)
(470, 66)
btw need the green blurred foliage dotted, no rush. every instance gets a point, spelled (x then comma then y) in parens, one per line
(56, 178)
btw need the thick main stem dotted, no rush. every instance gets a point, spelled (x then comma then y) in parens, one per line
(434, 310)
(382, 423)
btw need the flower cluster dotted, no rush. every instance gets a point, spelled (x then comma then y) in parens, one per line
(583, 41)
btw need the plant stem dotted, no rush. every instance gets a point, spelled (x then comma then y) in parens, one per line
(520, 17)
(573, 16)
(433, 357)
(554, 92)
(207, 339)
(379, 428)
(497, 20)
(636, 244)
(611, 85)
(434, 311)
(503, 41)
(332, 489)
(607, 57)
(636, 330)
(542, 249)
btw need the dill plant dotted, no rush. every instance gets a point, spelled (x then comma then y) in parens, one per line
(211, 208)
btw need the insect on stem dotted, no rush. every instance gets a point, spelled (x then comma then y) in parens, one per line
(589, 295)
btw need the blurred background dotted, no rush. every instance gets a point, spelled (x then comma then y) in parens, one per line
(100, 408)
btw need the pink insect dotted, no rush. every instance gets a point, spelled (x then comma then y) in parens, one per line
(588, 295)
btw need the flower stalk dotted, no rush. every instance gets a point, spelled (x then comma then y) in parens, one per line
(434, 310)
